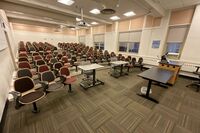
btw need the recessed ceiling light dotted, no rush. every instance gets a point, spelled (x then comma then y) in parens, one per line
(78, 19)
(66, 2)
(115, 18)
(94, 23)
(95, 11)
(129, 14)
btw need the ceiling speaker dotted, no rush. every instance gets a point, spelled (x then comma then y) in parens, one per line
(108, 11)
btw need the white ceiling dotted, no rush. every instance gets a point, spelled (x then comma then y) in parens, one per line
(42, 9)
(173, 4)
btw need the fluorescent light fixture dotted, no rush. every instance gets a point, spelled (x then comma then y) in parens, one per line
(47, 18)
(94, 23)
(66, 2)
(95, 11)
(88, 24)
(73, 28)
(21, 13)
(115, 18)
(129, 14)
(78, 19)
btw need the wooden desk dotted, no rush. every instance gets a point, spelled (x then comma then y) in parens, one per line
(155, 74)
(172, 66)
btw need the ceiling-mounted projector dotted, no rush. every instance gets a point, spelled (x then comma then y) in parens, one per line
(81, 23)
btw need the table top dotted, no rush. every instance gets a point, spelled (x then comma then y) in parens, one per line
(157, 74)
(90, 67)
(119, 62)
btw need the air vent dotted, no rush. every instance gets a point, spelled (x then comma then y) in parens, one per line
(108, 11)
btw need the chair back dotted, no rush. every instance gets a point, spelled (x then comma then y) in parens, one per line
(48, 76)
(57, 65)
(23, 84)
(64, 71)
(140, 60)
(24, 72)
(43, 68)
(24, 58)
(53, 60)
(40, 62)
(133, 61)
(24, 64)
(37, 57)
(23, 55)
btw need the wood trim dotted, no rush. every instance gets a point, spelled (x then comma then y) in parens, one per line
(41, 29)
(181, 16)
(137, 23)
(124, 25)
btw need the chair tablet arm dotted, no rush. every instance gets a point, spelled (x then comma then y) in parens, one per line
(62, 79)
(45, 85)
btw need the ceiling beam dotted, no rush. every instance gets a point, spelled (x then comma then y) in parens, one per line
(156, 7)
(55, 8)
(31, 18)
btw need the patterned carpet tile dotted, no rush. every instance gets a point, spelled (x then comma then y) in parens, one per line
(78, 125)
(139, 109)
(189, 122)
(97, 117)
(112, 107)
(111, 127)
(129, 120)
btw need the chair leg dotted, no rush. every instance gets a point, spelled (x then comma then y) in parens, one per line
(70, 88)
(76, 68)
(17, 103)
(35, 109)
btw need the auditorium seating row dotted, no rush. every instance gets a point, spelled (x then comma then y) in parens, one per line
(51, 66)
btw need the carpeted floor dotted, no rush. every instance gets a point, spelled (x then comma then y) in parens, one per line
(111, 108)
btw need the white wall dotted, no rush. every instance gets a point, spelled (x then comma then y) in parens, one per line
(20, 35)
(89, 40)
(111, 43)
(191, 48)
(6, 64)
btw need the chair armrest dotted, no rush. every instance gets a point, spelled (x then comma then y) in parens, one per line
(15, 94)
(45, 85)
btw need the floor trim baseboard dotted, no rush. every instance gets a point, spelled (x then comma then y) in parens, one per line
(3, 119)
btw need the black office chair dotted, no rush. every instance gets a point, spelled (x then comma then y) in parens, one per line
(196, 83)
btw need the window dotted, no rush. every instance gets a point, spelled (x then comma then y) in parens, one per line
(175, 39)
(99, 45)
(173, 47)
(123, 46)
(129, 41)
(99, 41)
(134, 47)
(82, 39)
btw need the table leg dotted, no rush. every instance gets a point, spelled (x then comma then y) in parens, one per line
(94, 77)
(148, 88)
(121, 70)
(147, 93)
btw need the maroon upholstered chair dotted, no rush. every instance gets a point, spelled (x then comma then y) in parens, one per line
(64, 71)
